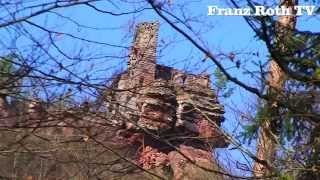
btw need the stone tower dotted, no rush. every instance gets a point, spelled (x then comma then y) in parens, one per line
(179, 107)
(142, 59)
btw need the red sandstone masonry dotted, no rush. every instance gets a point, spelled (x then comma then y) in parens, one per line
(168, 102)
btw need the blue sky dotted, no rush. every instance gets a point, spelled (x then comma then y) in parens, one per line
(227, 34)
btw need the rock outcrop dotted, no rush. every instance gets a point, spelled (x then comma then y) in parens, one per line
(176, 114)
(165, 119)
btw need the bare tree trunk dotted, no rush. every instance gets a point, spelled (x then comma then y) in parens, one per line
(4, 111)
(266, 145)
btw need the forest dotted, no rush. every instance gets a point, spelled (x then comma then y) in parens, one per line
(159, 89)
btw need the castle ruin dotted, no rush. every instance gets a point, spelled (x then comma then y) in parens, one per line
(167, 119)
(166, 110)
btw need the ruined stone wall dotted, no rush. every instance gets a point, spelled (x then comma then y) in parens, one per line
(180, 108)
(153, 108)
(142, 59)
(125, 105)
(201, 81)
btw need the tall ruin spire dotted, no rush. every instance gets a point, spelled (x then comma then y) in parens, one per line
(142, 59)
